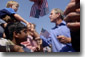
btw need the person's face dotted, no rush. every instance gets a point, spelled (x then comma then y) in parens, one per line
(23, 35)
(32, 27)
(15, 7)
(53, 16)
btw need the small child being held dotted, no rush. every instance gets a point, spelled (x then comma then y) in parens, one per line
(9, 13)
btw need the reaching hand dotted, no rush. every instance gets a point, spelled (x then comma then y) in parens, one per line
(28, 26)
(72, 13)
(64, 39)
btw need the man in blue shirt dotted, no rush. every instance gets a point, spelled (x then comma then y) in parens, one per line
(56, 16)
(45, 41)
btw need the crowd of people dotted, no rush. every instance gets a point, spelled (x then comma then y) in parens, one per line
(17, 37)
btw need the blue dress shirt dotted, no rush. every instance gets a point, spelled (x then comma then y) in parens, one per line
(60, 29)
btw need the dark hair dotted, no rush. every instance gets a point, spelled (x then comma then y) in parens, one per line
(11, 27)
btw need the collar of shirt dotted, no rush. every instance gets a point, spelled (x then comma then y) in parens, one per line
(63, 23)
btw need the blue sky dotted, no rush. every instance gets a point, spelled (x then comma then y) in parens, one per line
(42, 22)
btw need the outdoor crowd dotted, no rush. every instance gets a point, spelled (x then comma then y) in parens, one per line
(18, 37)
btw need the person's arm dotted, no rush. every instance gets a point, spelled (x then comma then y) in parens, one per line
(11, 48)
(71, 7)
(18, 17)
(72, 13)
(72, 17)
(3, 25)
(74, 26)
(16, 48)
(64, 39)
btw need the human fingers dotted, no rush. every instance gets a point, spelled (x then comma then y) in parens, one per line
(60, 38)
(64, 39)
(78, 10)
(74, 26)
(71, 7)
(29, 26)
(72, 17)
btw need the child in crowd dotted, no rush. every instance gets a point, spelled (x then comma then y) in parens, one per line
(17, 32)
(9, 13)
(33, 41)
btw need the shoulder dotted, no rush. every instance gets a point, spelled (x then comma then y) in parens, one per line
(64, 29)
(3, 41)
(10, 10)
(63, 26)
